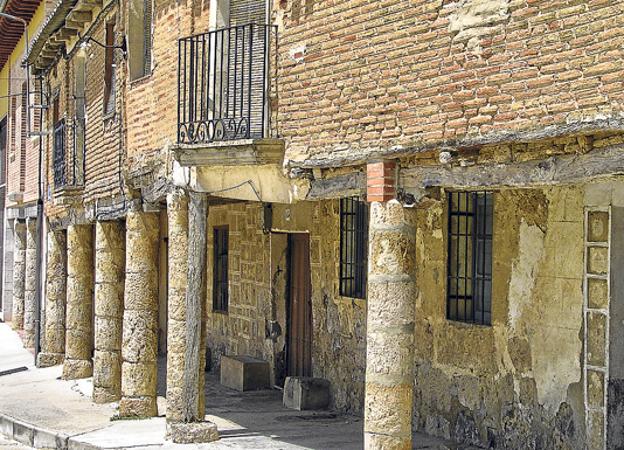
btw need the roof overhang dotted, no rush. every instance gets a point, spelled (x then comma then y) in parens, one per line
(11, 31)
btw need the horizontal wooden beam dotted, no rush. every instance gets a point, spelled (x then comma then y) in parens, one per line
(346, 185)
(564, 169)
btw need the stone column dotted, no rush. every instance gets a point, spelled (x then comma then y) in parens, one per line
(53, 346)
(186, 325)
(140, 319)
(30, 283)
(390, 329)
(19, 273)
(79, 327)
(110, 262)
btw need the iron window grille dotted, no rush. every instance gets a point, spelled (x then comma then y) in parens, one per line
(59, 154)
(469, 267)
(220, 296)
(223, 83)
(353, 247)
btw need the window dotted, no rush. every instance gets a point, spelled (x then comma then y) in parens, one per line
(469, 271)
(79, 119)
(109, 69)
(140, 39)
(353, 247)
(220, 270)
(23, 135)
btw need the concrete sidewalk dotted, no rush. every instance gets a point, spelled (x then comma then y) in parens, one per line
(40, 410)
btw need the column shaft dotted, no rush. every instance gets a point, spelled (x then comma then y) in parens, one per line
(53, 346)
(19, 273)
(79, 327)
(140, 319)
(109, 295)
(390, 329)
(177, 216)
(188, 221)
(30, 284)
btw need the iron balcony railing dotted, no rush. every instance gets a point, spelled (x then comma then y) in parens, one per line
(223, 84)
(59, 154)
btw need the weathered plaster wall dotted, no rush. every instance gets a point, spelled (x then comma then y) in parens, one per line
(255, 324)
(518, 383)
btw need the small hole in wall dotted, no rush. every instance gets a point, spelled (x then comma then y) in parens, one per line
(283, 4)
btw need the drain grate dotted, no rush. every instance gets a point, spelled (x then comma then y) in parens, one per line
(10, 371)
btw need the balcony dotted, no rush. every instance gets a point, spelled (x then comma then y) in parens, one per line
(223, 89)
(68, 169)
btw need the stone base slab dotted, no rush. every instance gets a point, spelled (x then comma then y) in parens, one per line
(49, 359)
(245, 373)
(74, 369)
(192, 432)
(105, 395)
(302, 393)
(138, 407)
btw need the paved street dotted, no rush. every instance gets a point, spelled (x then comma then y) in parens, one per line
(251, 420)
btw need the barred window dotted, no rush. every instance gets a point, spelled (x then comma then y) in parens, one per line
(220, 270)
(353, 247)
(469, 271)
(140, 38)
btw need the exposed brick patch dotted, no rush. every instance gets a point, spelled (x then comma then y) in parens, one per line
(381, 181)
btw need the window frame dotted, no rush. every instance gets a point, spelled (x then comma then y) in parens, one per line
(478, 234)
(220, 269)
(353, 259)
(110, 93)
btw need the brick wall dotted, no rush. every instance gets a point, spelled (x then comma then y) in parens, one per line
(151, 105)
(378, 74)
(104, 135)
(22, 151)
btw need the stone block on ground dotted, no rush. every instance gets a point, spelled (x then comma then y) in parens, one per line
(245, 373)
(303, 393)
(192, 432)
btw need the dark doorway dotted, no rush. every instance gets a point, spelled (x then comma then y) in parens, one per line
(299, 307)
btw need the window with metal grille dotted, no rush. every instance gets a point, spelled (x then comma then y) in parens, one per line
(220, 296)
(469, 268)
(353, 247)
(109, 69)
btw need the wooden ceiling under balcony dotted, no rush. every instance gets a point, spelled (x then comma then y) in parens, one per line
(11, 31)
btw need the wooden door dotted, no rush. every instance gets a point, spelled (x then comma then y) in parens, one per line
(299, 343)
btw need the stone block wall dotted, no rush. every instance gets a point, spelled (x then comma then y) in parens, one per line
(257, 270)
(519, 382)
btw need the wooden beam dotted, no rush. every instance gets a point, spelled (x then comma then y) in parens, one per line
(346, 185)
(564, 169)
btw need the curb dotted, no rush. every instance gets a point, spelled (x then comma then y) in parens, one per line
(31, 435)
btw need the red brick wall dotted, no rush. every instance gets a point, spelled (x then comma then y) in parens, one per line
(393, 72)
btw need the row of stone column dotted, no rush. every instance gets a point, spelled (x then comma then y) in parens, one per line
(112, 276)
(24, 279)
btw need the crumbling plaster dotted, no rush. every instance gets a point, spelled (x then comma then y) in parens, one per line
(481, 384)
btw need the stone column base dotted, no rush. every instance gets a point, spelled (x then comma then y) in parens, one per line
(138, 407)
(50, 359)
(74, 369)
(192, 432)
(105, 395)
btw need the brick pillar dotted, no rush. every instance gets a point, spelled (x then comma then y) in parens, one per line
(30, 283)
(140, 319)
(53, 346)
(79, 327)
(390, 325)
(19, 273)
(381, 181)
(186, 328)
(110, 262)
